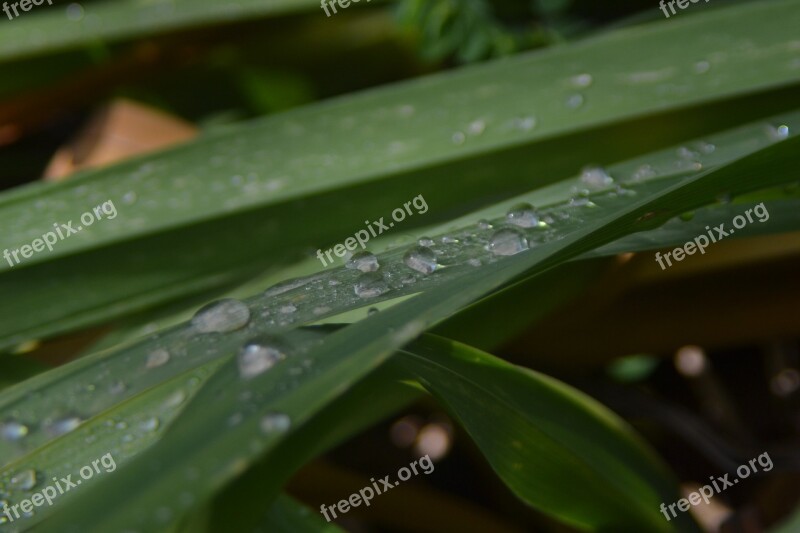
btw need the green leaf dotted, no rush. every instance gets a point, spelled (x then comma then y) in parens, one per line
(204, 215)
(270, 406)
(58, 27)
(556, 448)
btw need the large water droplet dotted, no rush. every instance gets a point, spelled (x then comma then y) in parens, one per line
(221, 316)
(595, 177)
(508, 241)
(370, 285)
(275, 423)
(259, 355)
(364, 261)
(523, 215)
(421, 258)
(12, 430)
(157, 358)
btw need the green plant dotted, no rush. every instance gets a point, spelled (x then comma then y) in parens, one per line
(623, 141)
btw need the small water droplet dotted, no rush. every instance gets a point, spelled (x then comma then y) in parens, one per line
(508, 241)
(157, 358)
(12, 430)
(421, 258)
(321, 310)
(258, 356)
(523, 215)
(701, 67)
(150, 424)
(64, 425)
(582, 80)
(129, 198)
(778, 133)
(288, 309)
(364, 261)
(221, 316)
(574, 101)
(524, 123)
(426, 241)
(275, 423)
(24, 480)
(595, 177)
(477, 127)
(118, 387)
(448, 239)
(372, 311)
(458, 137)
(370, 285)
(235, 419)
(485, 224)
(644, 172)
(474, 262)
(75, 12)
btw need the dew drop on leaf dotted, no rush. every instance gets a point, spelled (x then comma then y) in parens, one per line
(221, 316)
(420, 258)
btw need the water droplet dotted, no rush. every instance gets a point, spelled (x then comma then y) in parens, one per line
(372, 311)
(12, 430)
(426, 241)
(235, 419)
(574, 101)
(275, 423)
(129, 198)
(421, 258)
(687, 153)
(595, 177)
(288, 309)
(477, 127)
(258, 356)
(24, 480)
(64, 425)
(523, 215)
(524, 123)
(151, 424)
(778, 133)
(117, 387)
(221, 316)
(448, 239)
(582, 80)
(370, 285)
(474, 262)
(75, 12)
(458, 137)
(364, 261)
(321, 310)
(644, 172)
(508, 241)
(485, 224)
(701, 67)
(157, 358)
